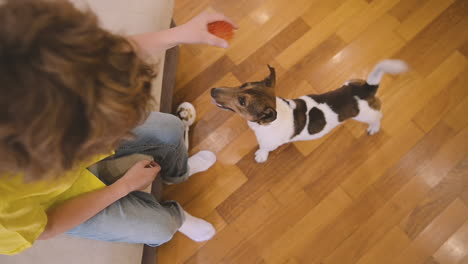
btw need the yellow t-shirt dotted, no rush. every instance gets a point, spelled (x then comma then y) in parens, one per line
(23, 206)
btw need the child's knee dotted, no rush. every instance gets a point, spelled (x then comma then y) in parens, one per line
(163, 231)
(168, 128)
(164, 235)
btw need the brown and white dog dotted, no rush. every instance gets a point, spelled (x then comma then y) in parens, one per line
(277, 120)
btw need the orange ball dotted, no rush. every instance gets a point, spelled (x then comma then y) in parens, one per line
(221, 29)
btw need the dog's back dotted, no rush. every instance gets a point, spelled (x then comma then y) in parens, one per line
(316, 114)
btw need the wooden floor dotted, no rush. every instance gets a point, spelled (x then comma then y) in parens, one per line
(400, 196)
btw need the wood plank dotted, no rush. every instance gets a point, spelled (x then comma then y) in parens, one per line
(427, 12)
(301, 89)
(443, 102)
(403, 9)
(204, 81)
(377, 42)
(186, 9)
(464, 261)
(292, 261)
(228, 180)
(336, 231)
(401, 108)
(296, 238)
(438, 40)
(316, 166)
(263, 72)
(284, 14)
(464, 196)
(320, 10)
(251, 249)
(331, 176)
(307, 147)
(250, 219)
(238, 148)
(447, 150)
(266, 53)
(319, 33)
(456, 118)
(366, 18)
(210, 122)
(435, 234)
(195, 59)
(431, 260)
(214, 185)
(374, 229)
(236, 10)
(191, 66)
(455, 248)
(464, 49)
(383, 159)
(390, 245)
(414, 161)
(261, 178)
(437, 200)
(209, 117)
(204, 105)
(223, 135)
(288, 83)
(449, 154)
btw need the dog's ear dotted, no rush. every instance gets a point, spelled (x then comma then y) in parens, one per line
(270, 81)
(268, 116)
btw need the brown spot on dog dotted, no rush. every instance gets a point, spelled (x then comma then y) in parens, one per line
(300, 117)
(343, 102)
(254, 101)
(316, 121)
(374, 103)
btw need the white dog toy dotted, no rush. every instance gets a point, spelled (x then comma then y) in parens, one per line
(186, 112)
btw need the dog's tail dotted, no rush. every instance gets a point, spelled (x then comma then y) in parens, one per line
(386, 66)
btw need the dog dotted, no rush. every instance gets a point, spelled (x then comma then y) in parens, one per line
(277, 121)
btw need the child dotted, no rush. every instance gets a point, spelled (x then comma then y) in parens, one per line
(72, 94)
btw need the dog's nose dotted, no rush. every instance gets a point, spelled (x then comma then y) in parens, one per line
(213, 92)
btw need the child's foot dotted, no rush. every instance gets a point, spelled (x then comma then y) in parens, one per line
(197, 229)
(201, 161)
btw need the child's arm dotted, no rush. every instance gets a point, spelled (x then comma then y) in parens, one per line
(194, 31)
(79, 209)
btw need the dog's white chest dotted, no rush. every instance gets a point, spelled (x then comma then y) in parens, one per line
(277, 132)
(281, 131)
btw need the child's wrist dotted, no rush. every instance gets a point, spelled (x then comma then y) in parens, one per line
(120, 188)
(178, 35)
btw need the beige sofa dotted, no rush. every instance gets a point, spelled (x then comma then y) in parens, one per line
(125, 17)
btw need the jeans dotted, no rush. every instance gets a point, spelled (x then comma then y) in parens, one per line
(138, 217)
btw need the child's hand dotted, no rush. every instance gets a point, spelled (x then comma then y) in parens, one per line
(140, 175)
(195, 31)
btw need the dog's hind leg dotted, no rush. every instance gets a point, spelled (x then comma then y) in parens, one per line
(369, 113)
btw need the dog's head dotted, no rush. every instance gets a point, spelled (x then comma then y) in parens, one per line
(254, 101)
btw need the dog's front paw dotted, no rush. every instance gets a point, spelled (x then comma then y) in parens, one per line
(373, 129)
(261, 156)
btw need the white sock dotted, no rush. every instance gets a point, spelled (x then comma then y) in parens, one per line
(201, 161)
(197, 229)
